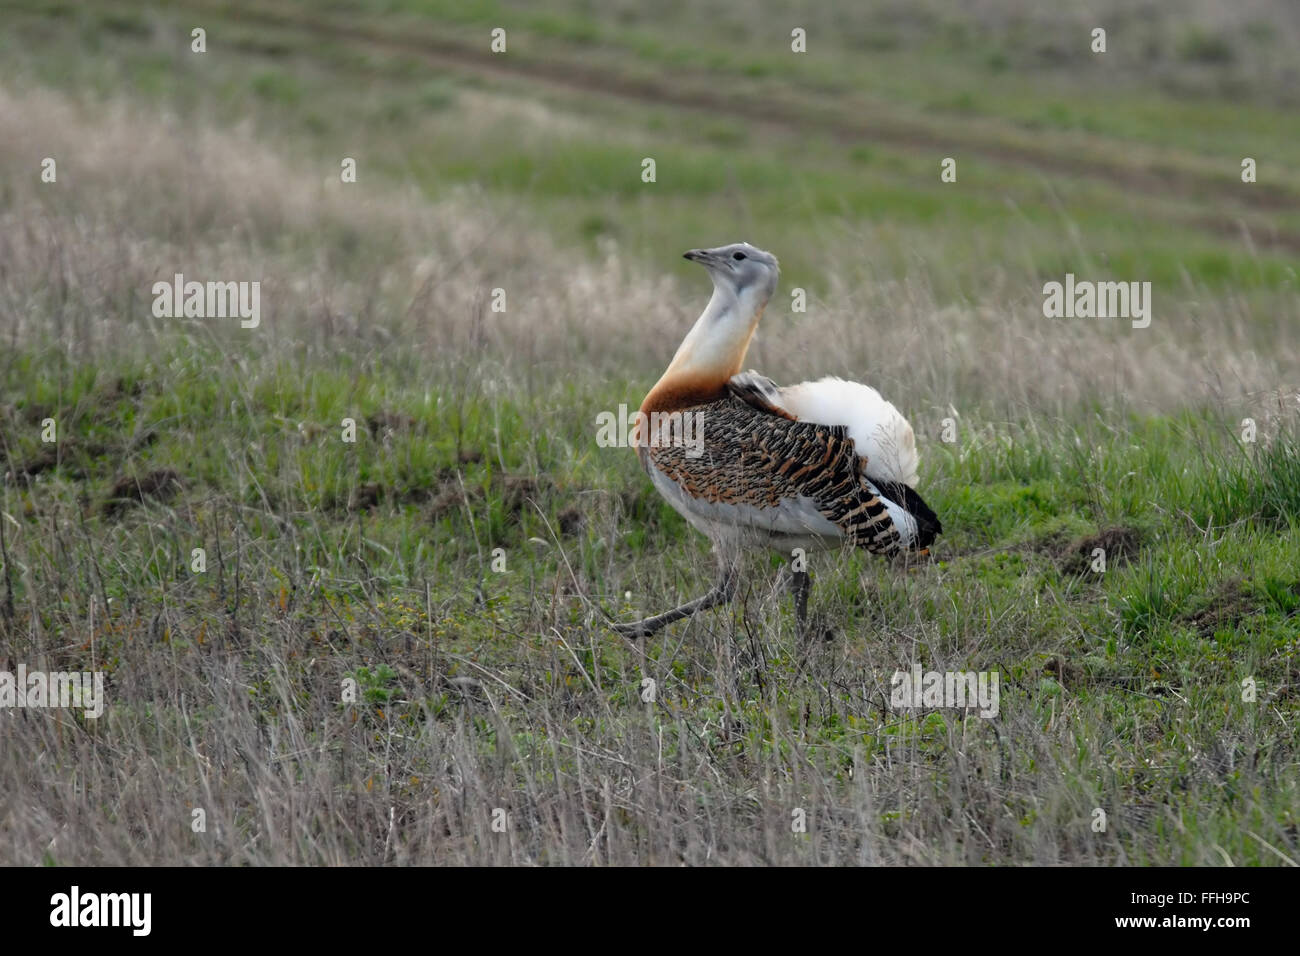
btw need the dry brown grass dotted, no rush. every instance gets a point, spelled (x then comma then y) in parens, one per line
(394, 264)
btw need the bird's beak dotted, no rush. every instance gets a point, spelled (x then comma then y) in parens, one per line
(709, 258)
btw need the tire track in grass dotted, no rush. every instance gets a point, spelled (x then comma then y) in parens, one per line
(791, 118)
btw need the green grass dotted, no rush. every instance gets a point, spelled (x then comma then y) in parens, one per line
(398, 582)
(1016, 163)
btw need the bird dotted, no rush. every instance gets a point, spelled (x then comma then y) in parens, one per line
(751, 464)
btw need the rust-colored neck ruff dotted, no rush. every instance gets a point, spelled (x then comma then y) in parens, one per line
(712, 352)
(682, 391)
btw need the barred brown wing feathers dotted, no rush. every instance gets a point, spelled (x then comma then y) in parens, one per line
(759, 391)
(756, 458)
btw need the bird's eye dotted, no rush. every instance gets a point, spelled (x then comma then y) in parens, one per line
(737, 255)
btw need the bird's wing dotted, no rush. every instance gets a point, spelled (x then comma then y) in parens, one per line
(766, 463)
(879, 431)
(879, 434)
(759, 391)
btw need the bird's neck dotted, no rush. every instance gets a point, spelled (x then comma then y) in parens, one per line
(712, 352)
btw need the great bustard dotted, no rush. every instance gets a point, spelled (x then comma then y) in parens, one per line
(808, 466)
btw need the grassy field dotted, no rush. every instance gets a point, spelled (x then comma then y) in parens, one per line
(458, 560)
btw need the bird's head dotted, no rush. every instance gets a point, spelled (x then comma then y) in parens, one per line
(744, 279)
(740, 270)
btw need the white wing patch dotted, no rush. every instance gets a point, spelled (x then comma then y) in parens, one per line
(879, 431)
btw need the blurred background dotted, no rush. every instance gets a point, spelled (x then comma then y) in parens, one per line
(522, 170)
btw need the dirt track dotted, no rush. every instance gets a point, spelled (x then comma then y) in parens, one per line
(1240, 214)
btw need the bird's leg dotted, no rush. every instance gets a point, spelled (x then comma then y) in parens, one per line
(720, 593)
(800, 585)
